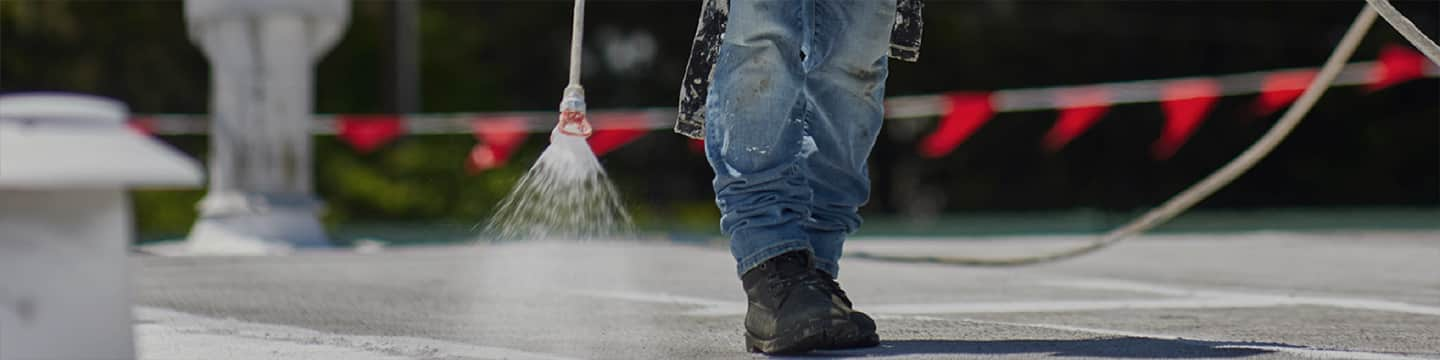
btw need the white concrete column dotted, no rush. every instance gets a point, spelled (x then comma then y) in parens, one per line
(262, 54)
(66, 163)
(63, 281)
(286, 89)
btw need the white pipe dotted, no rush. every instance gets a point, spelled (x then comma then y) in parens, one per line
(1407, 29)
(577, 31)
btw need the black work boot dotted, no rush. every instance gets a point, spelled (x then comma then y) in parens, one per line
(865, 335)
(790, 309)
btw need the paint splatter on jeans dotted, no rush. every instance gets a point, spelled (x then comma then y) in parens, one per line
(792, 115)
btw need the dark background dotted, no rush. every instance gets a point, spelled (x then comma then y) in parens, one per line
(1355, 149)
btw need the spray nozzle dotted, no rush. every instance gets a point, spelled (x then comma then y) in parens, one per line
(572, 113)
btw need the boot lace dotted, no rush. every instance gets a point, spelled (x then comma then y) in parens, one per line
(829, 284)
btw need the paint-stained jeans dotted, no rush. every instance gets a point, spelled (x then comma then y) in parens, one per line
(793, 112)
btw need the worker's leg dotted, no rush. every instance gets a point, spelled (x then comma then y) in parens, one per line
(846, 68)
(752, 136)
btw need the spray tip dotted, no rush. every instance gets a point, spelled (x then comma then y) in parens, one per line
(572, 113)
(573, 123)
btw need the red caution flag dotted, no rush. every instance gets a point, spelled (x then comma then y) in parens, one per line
(1079, 109)
(614, 130)
(368, 132)
(143, 125)
(1186, 102)
(498, 138)
(1280, 89)
(1397, 64)
(968, 111)
(697, 146)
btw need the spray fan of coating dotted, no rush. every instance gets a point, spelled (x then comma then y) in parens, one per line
(566, 195)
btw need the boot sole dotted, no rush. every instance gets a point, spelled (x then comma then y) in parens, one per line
(871, 340)
(808, 336)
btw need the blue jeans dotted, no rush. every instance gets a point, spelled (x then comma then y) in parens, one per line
(793, 112)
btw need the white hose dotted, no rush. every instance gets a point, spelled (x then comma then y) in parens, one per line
(577, 32)
(1407, 29)
(1200, 190)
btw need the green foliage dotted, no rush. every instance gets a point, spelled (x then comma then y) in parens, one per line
(134, 51)
(418, 178)
(165, 213)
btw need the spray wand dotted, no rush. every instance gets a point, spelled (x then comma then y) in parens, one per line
(566, 194)
(572, 102)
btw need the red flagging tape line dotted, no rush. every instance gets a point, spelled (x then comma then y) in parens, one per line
(967, 112)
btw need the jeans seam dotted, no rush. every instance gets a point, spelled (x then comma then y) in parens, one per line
(829, 267)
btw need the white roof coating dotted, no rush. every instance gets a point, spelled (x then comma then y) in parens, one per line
(53, 141)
